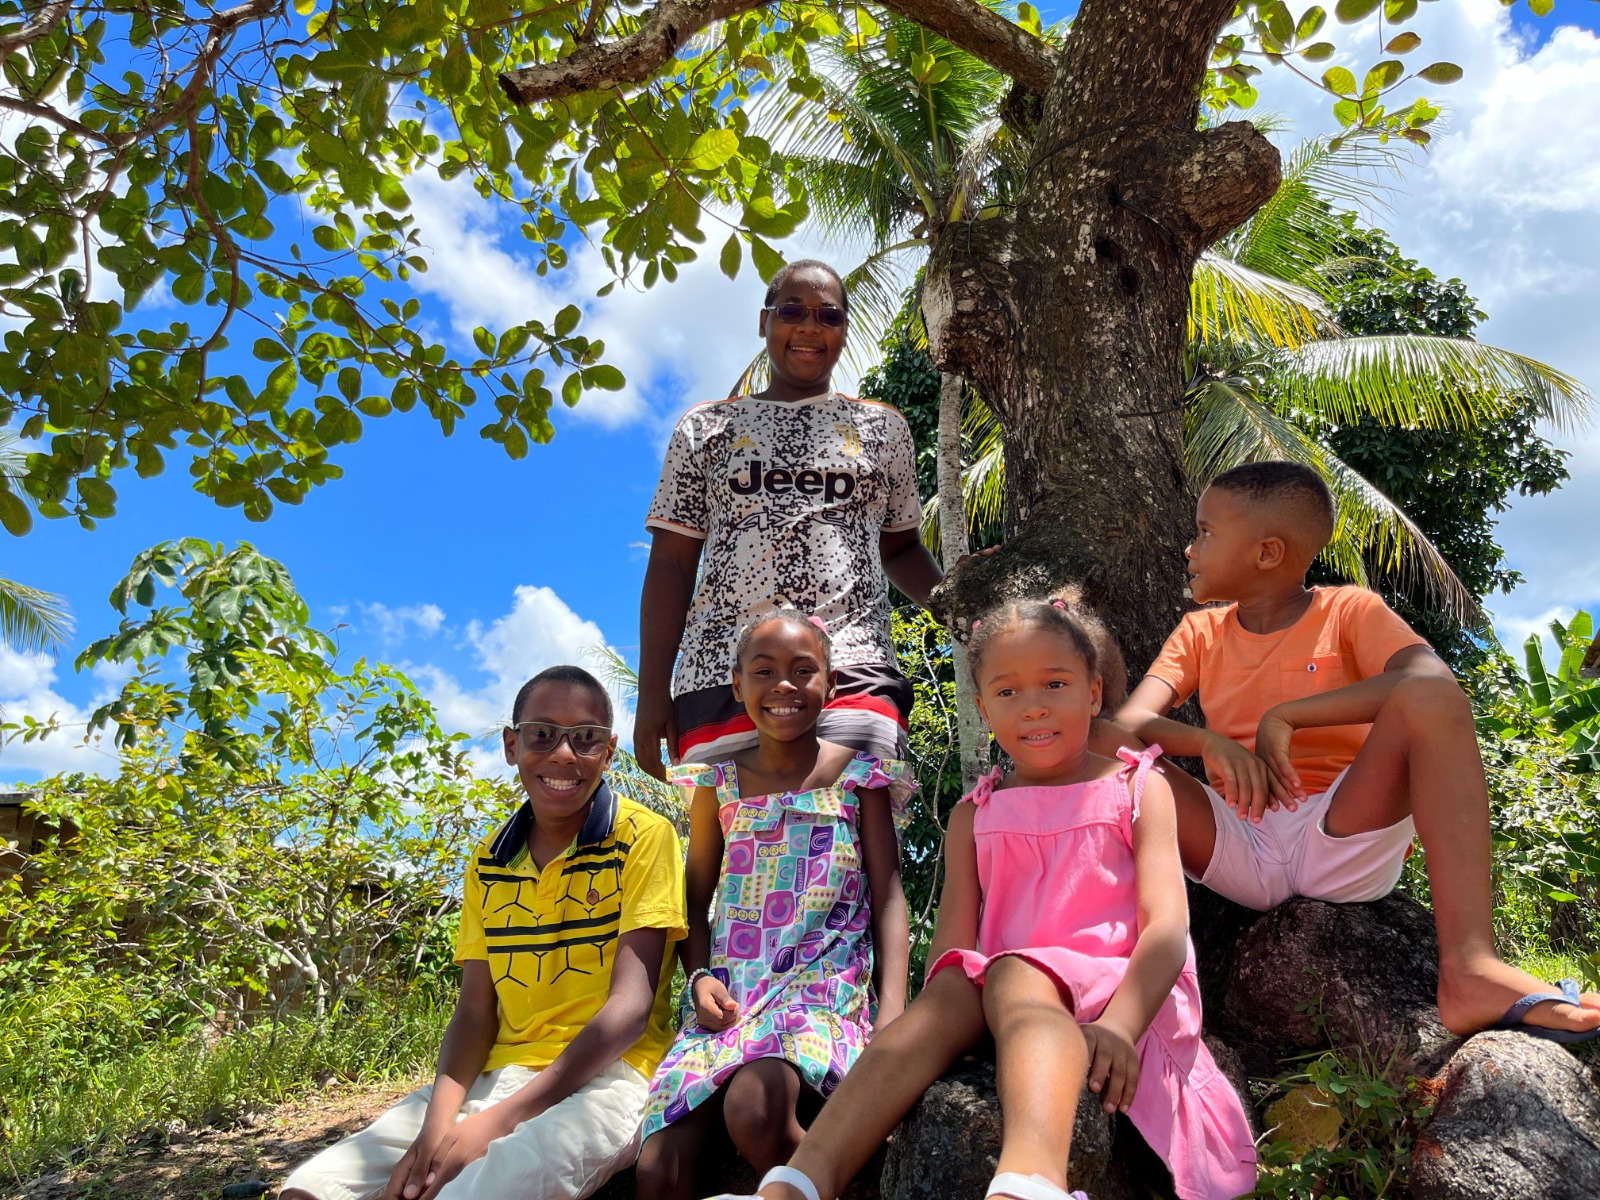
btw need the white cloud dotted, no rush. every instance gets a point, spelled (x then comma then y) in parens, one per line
(1506, 199)
(392, 625)
(678, 343)
(540, 631)
(27, 689)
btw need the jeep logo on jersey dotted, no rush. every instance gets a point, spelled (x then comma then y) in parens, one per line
(779, 481)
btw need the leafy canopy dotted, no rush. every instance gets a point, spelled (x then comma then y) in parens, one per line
(181, 184)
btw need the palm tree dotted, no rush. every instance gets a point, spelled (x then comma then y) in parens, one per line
(1268, 362)
(31, 620)
(903, 140)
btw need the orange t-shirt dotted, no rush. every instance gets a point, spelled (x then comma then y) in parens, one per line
(1347, 634)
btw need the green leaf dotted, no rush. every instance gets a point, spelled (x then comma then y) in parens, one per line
(731, 255)
(1541, 8)
(1279, 21)
(1318, 52)
(571, 389)
(1340, 81)
(1398, 12)
(14, 514)
(567, 320)
(1441, 72)
(605, 377)
(711, 149)
(1350, 11)
(1403, 44)
(1382, 76)
(768, 262)
(392, 194)
(1310, 22)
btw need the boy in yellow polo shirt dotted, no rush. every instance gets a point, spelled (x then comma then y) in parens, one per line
(570, 918)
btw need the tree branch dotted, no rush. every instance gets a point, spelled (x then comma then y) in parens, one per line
(627, 61)
(631, 60)
(985, 34)
(43, 25)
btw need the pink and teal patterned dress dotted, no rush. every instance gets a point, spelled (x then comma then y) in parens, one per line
(791, 936)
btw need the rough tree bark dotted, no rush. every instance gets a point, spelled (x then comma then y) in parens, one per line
(953, 546)
(1068, 315)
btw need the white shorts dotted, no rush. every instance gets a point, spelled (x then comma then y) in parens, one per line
(1292, 854)
(565, 1153)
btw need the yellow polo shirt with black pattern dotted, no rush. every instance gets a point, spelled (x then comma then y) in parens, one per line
(550, 936)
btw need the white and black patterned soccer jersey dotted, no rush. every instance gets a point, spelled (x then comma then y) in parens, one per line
(790, 497)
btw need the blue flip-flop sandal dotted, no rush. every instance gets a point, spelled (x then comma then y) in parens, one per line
(1569, 994)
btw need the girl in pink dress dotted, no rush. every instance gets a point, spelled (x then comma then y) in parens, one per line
(1063, 931)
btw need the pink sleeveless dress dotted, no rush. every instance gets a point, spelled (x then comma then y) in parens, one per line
(1056, 868)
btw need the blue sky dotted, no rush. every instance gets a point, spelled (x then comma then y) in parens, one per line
(473, 571)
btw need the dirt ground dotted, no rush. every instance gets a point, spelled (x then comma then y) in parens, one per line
(187, 1163)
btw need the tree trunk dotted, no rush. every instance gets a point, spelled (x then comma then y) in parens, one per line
(953, 544)
(1069, 316)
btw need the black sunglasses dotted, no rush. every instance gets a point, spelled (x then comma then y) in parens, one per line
(795, 313)
(540, 737)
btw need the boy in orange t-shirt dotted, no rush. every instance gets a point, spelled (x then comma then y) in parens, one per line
(1333, 735)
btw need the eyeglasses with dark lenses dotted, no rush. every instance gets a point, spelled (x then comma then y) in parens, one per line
(795, 314)
(541, 738)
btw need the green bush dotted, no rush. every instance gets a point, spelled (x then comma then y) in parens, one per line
(1339, 1130)
(83, 1068)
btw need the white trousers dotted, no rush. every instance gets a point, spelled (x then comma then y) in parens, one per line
(565, 1153)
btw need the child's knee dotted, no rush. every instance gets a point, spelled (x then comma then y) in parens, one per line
(1431, 703)
(760, 1103)
(662, 1161)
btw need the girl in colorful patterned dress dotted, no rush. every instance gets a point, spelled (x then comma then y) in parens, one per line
(1063, 932)
(793, 850)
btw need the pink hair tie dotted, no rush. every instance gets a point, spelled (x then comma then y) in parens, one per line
(819, 623)
(1059, 603)
(977, 622)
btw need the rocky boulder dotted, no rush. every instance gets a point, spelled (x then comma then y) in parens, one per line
(1310, 974)
(1518, 1118)
(947, 1147)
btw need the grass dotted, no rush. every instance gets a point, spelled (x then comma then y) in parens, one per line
(73, 1080)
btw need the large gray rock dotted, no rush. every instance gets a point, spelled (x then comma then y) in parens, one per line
(946, 1149)
(1518, 1119)
(1359, 975)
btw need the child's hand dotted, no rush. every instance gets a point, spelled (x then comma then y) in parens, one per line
(713, 1007)
(1113, 1065)
(1273, 737)
(1241, 777)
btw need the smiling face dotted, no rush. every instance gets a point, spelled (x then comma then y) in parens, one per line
(783, 680)
(1038, 695)
(803, 355)
(1226, 551)
(559, 782)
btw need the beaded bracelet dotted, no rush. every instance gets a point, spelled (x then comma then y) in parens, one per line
(695, 976)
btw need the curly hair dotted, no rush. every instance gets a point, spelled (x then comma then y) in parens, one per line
(1066, 613)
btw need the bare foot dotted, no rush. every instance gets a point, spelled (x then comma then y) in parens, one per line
(1474, 995)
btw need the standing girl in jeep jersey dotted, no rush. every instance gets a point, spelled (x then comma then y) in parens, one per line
(794, 496)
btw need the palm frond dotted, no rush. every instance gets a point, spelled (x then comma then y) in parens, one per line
(613, 670)
(1225, 426)
(1417, 379)
(32, 620)
(1294, 233)
(1230, 301)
